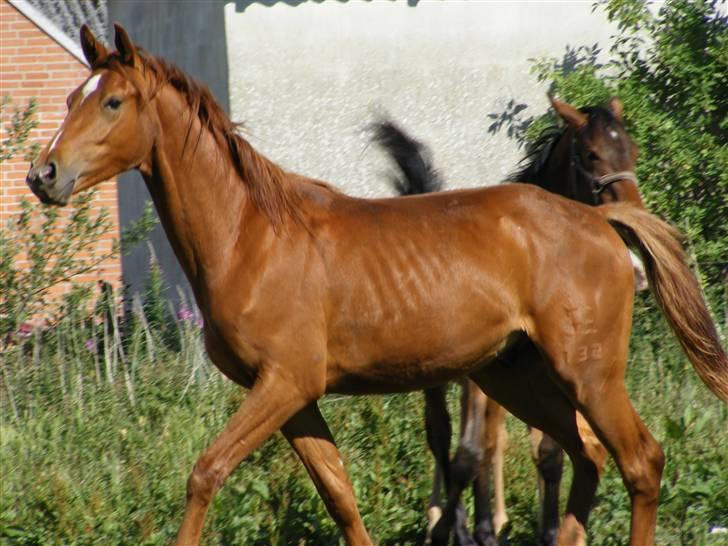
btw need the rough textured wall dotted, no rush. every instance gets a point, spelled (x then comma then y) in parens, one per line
(191, 34)
(33, 65)
(307, 77)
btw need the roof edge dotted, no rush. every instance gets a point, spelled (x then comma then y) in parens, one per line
(50, 28)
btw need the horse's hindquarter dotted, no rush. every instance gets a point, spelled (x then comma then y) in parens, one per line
(421, 290)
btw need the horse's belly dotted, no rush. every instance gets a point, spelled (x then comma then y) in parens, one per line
(413, 363)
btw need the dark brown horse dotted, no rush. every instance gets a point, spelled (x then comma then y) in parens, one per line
(303, 295)
(567, 162)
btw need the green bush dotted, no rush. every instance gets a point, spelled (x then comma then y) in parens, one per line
(670, 69)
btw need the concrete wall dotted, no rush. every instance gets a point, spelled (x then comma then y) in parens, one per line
(307, 77)
(190, 34)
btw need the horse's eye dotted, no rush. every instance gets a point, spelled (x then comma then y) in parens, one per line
(593, 156)
(112, 103)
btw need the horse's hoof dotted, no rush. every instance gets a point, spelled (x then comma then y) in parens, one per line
(484, 535)
(437, 536)
(550, 537)
(464, 540)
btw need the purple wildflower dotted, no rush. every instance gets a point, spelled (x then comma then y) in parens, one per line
(90, 345)
(185, 314)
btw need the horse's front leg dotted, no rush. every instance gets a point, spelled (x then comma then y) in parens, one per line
(310, 437)
(439, 432)
(494, 439)
(271, 402)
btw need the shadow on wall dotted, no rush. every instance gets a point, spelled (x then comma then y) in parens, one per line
(242, 5)
(513, 118)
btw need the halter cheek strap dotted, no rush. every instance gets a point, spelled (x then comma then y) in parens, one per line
(598, 185)
(603, 182)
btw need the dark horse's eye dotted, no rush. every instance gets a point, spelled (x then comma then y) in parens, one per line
(112, 103)
(593, 156)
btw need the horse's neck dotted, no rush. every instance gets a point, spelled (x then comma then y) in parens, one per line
(197, 193)
(555, 175)
(558, 174)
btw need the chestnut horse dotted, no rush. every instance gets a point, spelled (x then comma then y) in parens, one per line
(565, 161)
(303, 295)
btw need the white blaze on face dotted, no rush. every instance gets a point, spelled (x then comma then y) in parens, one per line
(613, 134)
(55, 139)
(91, 85)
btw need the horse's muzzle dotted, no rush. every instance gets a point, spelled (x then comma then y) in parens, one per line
(44, 181)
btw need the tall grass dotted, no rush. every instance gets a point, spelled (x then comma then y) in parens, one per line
(101, 424)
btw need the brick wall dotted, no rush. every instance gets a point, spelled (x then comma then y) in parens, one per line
(32, 64)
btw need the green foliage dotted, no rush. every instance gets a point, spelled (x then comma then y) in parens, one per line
(56, 248)
(97, 440)
(53, 248)
(18, 131)
(670, 69)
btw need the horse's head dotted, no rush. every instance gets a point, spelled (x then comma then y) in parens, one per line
(602, 151)
(107, 129)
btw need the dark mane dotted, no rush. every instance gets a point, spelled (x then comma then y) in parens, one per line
(270, 190)
(537, 155)
(539, 151)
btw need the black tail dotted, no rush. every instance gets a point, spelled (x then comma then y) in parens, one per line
(413, 158)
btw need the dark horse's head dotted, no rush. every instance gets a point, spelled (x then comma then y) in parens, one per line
(591, 159)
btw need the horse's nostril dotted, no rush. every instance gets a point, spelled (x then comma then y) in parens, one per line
(50, 172)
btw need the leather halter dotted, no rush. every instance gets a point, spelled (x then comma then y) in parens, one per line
(598, 184)
(603, 182)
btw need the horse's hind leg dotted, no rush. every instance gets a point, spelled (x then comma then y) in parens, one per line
(522, 384)
(639, 457)
(311, 439)
(549, 460)
(590, 368)
(495, 416)
(439, 432)
(463, 468)
(488, 524)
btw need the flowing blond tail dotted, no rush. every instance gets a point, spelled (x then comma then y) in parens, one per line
(676, 289)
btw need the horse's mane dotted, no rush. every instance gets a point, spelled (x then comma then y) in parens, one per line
(539, 151)
(537, 155)
(269, 188)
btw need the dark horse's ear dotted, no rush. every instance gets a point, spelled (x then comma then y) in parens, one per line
(573, 116)
(93, 50)
(616, 107)
(125, 47)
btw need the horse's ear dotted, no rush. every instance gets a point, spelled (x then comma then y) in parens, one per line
(125, 47)
(616, 107)
(573, 116)
(93, 50)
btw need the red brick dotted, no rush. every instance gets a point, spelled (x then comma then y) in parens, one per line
(33, 65)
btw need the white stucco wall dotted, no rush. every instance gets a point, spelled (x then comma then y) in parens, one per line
(306, 79)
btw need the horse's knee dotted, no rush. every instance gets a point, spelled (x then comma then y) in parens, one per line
(204, 481)
(550, 459)
(465, 464)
